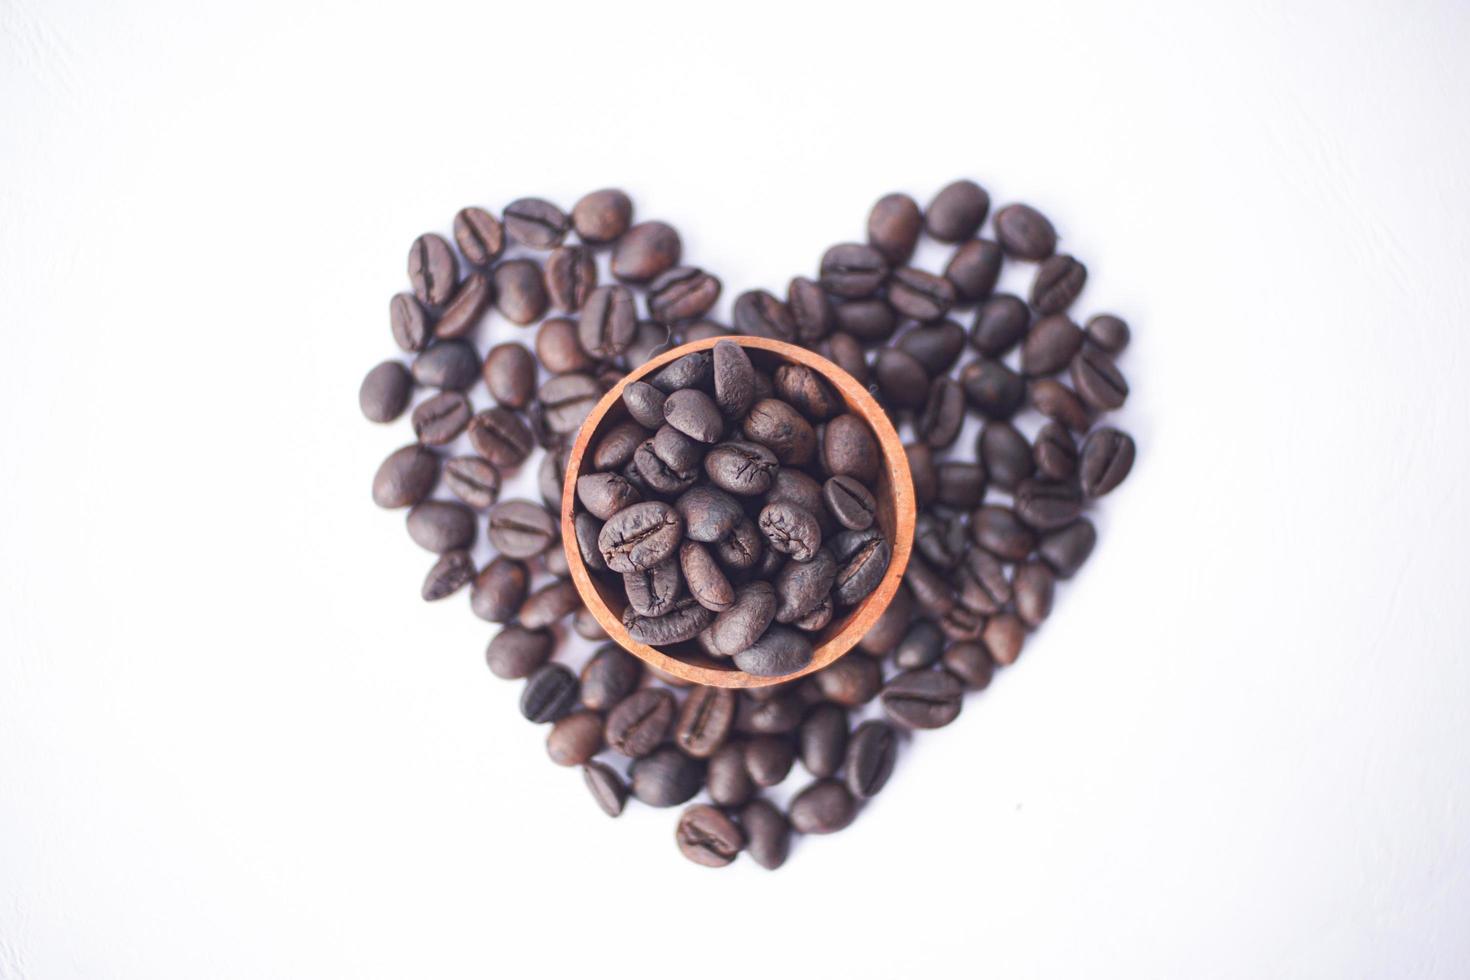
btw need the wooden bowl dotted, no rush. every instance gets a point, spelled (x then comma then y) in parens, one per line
(896, 505)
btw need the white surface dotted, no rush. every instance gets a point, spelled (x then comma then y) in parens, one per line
(233, 742)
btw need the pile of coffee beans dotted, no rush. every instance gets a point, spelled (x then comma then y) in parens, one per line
(740, 508)
(997, 395)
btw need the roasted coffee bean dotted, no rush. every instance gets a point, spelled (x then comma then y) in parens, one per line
(810, 310)
(606, 787)
(682, 293)
(780, 651)
(871, 753)
(499, 590)
(510, 374)
(650, 339)
(520, 291)
(473, 480)
(555, 562)
(1058, 281)
(739, 626)
(695, 414)
(385, 392)
(982, 584)
(571, 275)
(992, 388)
(451, 365)
(558, 348)
(920, 295)
(870, 321)
(1059, 403)
(466, 308)
(705, 720)
(923, 698)
(1107, 458)
(902, 378)
(974, 269)
(499, 435)
(923, 472)
(1024, 232)
(788, 529)
(616, 448)
(768, 758)
(587, 626)
(602, 216)
(1047, 504)
(639, 722)
(759, 314)
(971, 663)
(744, 468)
(551, 475)
(807, 391)
(741, 549)
(407, 476)
(999, 531)
(709, 513)
(728, 780)
(1051, 344)
(862, 559)
(1035, 585)
(645, 403)
(432, 270)
(550, 604)
(1004, 636)
(663, 465)
(769, 565)
(568, 400)
(681, 623)
(764, 712)
(767, 834)
(666, 777)
(575, 739)
(942, 541)
(550, 693)
(653, 591)
(824, 807)
(893, 227)
(943, 414)
(604, 494)
(920, 646)
(851, 681)
(609, 676)
(440, 526)
(1065, 549)
(936, 346)
(1000, 323)
(1108, 333)
(890, 627)
(795, 487)
(517, 652)
(1006, 454)
(933, 593)
(480, 236)
(1098, 381)
(709, 586)
(819, 618)
(646, 251)
(823, 740)
(706, 836)
(960, 485)
(1055, 453)
(853, 271)
(957, 211)
(535, 223)
(849, 449)
(845, 351)
(782, 429)
(450, 573)
(734, 379)
(702, 330)
(440, 419)
(962, 625)
(608, 322)
(587, 529)
(520, 529)
(409, 323)
(849, 502)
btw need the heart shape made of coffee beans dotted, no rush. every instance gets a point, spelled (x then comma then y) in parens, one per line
(1000, 429)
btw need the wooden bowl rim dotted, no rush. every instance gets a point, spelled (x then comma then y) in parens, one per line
(865, 614)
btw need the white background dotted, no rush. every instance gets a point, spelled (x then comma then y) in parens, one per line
(234, 743)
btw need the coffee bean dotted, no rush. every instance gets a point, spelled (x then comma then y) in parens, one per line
(608, 322)
(943, 414)
(1098, 381)
(602, 216)
(734, 379)
(920, 295)
(682, 293)
(893, 227)
(466, 308)
(851, 503)
(587, 529)
(1006, 454)
(824, 807)
(440, 526)
(1051, 344)
(957, 211)
(903, 380)
(1059, 403)
(862, 559)
(744, 468)
(982, 584)
(780, 651)
(432, 270)
(999, 531)
(974, 269)
(571, 275)
(520, 529)
(920, 646)
(639, 722)
(499, 435)
(517, 652)
(1000, 323)
(664, 476)
(550, 693)
(1108, 333)
(870, 321)
(558, 348)
(703, 330)
(409, 323)
(849, 449)
(535, 223)
(510, 374)
(811, 311)
(1055, 453)
(499, 590)
(1065, 549)
(707, 583)
(1003, 637)
(851, 681)
(551, 475)
(941, 539)
(695, 414)
(992, 388)
(923, 472)
(450, 573)
(1024, 232)
(681, 623)
(781, 428)
(936, 347)
(853, 271)
(1035, 585)
(823, 739)
(407, 476)
(890, 627)
(609, 676)
(1047, 504)
(645, 251)
(768, 758)
(705, 720)
(923, 698)
(666, 777)
(728, 780)
(385, 392)
(568, 399)
(451, 365)
(575, 739)
(555, 562)
(844, 350)
(1107, 458)
(440, 419)
(708, 837)
(645, 403)
(767, 834)
(789, 530)
(550, 604)
(739, 626)
(759, 314)
(933, 593)
(709, 513)
(606, 787)
(960, 485)
(741, 549)
(971, 663)
(520, 291)
(480, 236)
(1058, 281)
(604, 494)
(653, 591)
(807, 391)
(778, 713)
(871, 753)
(615, 449)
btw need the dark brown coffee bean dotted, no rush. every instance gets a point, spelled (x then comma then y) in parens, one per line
(551, 476)
(608, 322)
(385, 392)
(937, 347)
(1065, 549)
(535, 223)
(739, 626)
(682, 293)
(810, 310)
(550, 604)
(893, 227)
(602, 216)
(587, 529)
(862, 559)
(823, 740)
(440, 526)
(870, 321)
(759, 314)
(923, 472)
(851, 681)
(707, 583)
(1006, 454)
(974, 269)
(549, 694)
(645, 403)
(695, 414)
(683, 622)
(744, 468)
(890, 627)
(467, 307)
(516, 652)
(1000, 323)
(706, 836)
(479, 235)
(871, 754)
(960, 485)
(616, 447)
(992, 388)
(587, 625)
(645, 251)
(567, 400)
(920, 646)
(1047, 504)
(742, 548)
(999, 531)
(653, 592)
(666, 777)
(702, 330)
(432, 270)
(971, 663)
(409, 323)
(824, 807)
(604, 494)
(1051, 344)
(933, 593)
(802, 586)
(903, 380)
(510, 374)
(728, 780)
(709, 513)
(499, 590)
(853, 271)
(780, 651)
(1058, 281)
(850, 449)
(920, 295)
(734, 379)
(640, 536)
(845, 351)
(789, 530)
(923, 698)
(782, 429)
(451, 365)
(407, 476)
(942, 539)
(450, 573)
(610, 676)
(1098, 381)
(1004, 636)
(1108, 333)
(1107, 458)
(520, 529)
(499, 435)
(606, 787)
(982, 584)
(943, 414)
(961, 624)
(767, 834)
(819, 618)
(807, 391)
(555, 562)
(1035, 585)
(1055, 453)
(957, 211)
(1024, 232)
(441, 419)
(575, 739)
(849, 502)
(768, 758)
(571, 275)
(558, 348)
(639, 722)
(520, 291)
(1058, 402)
(705, 720)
